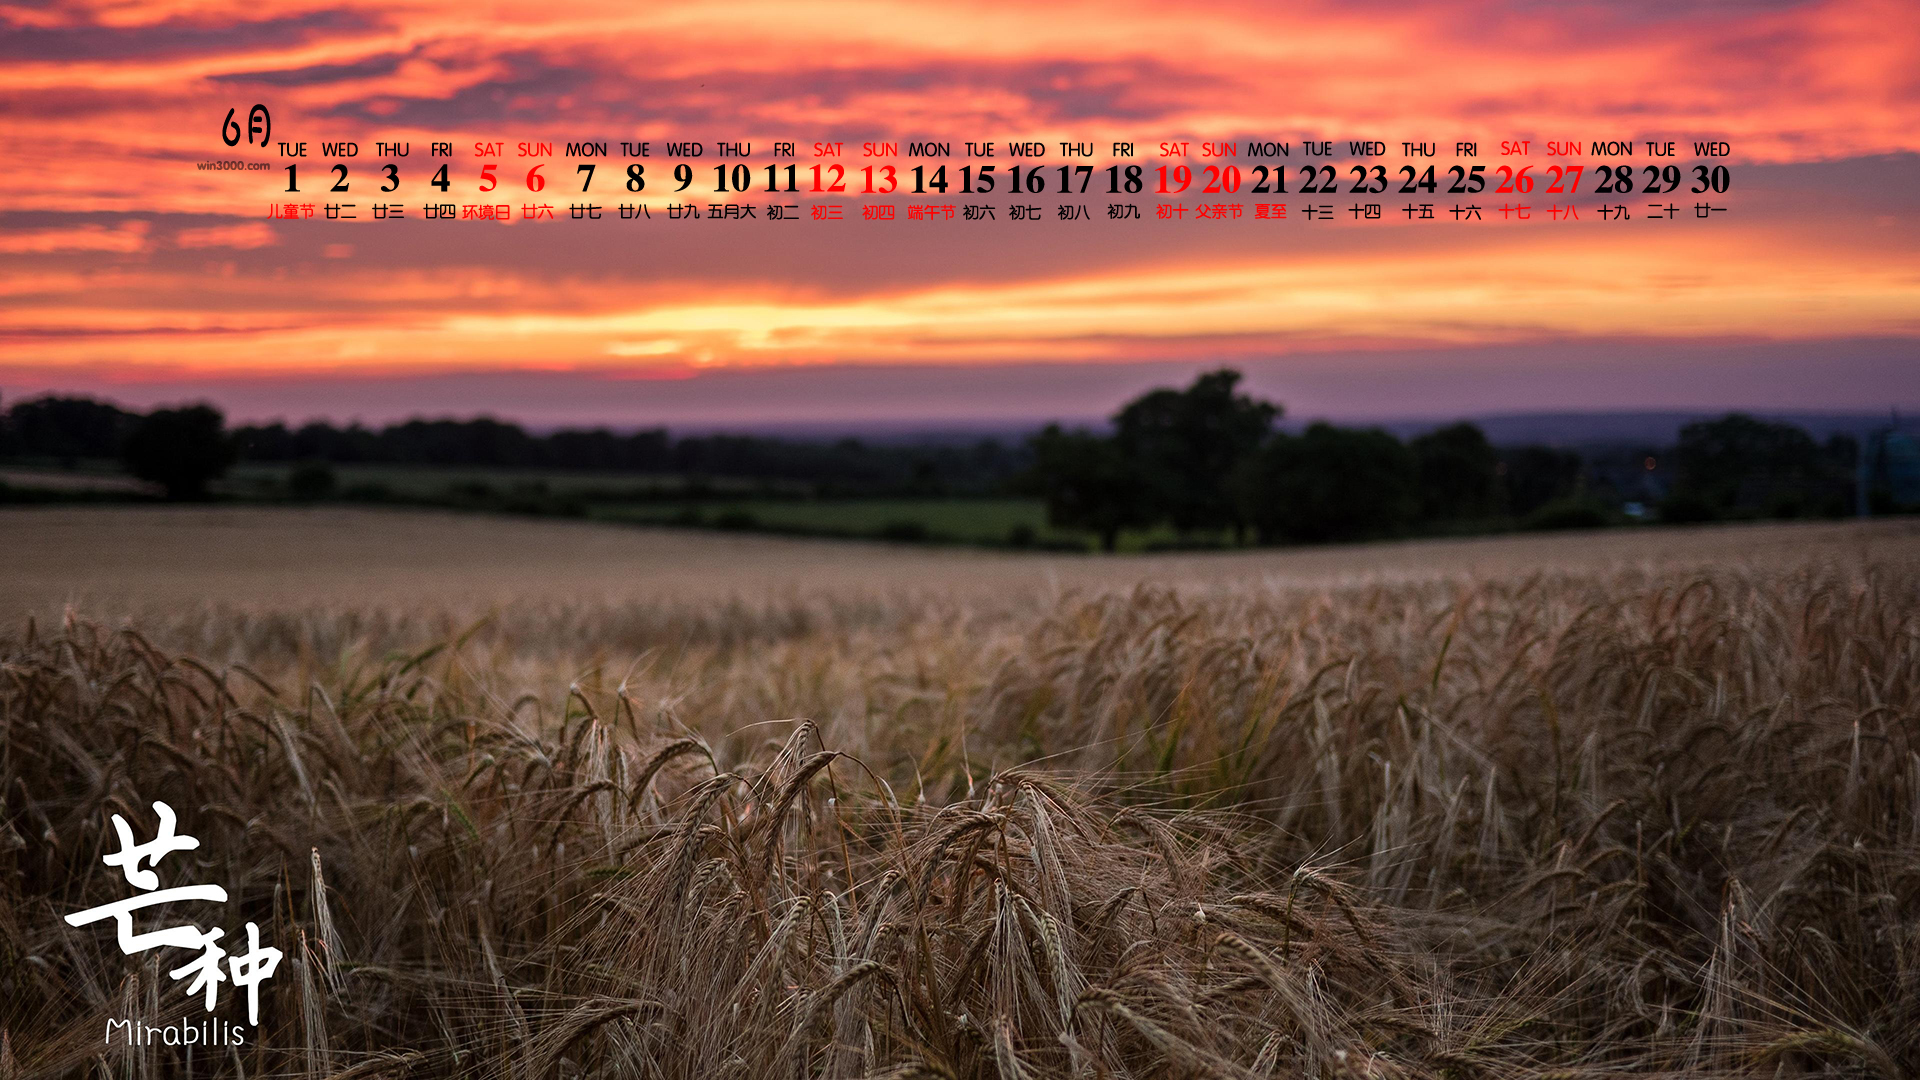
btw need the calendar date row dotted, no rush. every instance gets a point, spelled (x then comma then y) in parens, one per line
(835, 179)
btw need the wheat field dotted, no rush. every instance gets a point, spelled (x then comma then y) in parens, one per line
(535, 799)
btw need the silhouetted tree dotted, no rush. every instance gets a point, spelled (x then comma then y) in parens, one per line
(599, 448)
(480, 441)
(1087, 484)
(1186, 445)
(65, 428)
(1741, 465)
(1459, 474)
(182, 450)
(847, 465)
(1533, 476)
(1329, 483)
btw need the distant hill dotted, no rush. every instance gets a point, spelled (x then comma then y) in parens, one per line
(1565, 429)
(1575, 429)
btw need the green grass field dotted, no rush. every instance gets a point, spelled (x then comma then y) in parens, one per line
(1013, 521)
(962, 520)
(432, 481)
(649, 499)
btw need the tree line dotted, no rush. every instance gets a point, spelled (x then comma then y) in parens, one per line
(70, 429)
(1209, 461)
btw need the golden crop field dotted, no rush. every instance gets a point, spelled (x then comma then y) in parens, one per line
(532, 799)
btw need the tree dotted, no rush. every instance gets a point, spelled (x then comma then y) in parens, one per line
(482, 440)
(1087, 484)
(1459, 474)
(180, 449)
(1739, 464)
(1329, 483)
(1186, 446)
(1537, 475)
(65, 428)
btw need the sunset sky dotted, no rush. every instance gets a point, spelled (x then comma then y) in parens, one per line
(129, 273)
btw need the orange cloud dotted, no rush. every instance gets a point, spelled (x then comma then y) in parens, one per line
(126, 250)
(251, 235)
